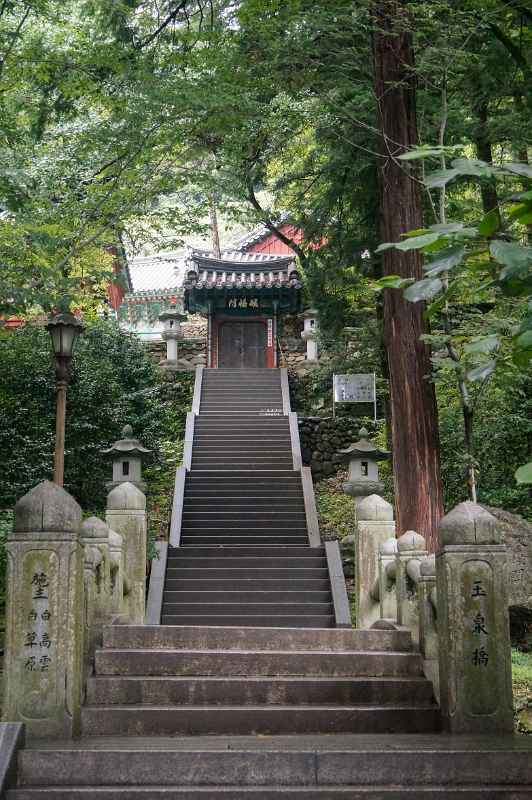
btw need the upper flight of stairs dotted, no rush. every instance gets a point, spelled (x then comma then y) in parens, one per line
(244, 556)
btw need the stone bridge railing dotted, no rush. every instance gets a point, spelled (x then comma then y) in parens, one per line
(455, 604)
(67, 578)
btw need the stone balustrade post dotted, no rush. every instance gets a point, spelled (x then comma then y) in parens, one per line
(374, 525)
(473, 623)
(428, 632)
(91, 562)
(387, 587)
(117, 588)
(411, 549)
(44, 614)
(95, 533)
(126, 514)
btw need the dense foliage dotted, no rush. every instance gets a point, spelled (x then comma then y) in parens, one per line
(128, 120)
(113, 383)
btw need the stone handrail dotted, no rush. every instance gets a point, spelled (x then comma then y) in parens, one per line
(66, 580)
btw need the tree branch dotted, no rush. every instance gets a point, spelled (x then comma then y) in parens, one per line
(169, 19)
(273, 228)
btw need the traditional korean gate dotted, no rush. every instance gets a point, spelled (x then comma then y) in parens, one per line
(242, 345)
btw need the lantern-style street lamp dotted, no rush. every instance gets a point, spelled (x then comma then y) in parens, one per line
(171, 334)
(309, 334)
(64, 329)
(363, 457)
(127, 454)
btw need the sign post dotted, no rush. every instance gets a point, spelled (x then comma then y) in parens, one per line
(360, 388)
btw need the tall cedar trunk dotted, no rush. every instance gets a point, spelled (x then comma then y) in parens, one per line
(488, 187)
(415, 439)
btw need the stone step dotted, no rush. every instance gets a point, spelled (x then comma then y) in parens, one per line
(253, 517)
(258, 719)
(243, 563)
(251, 596)
(371, 761)
(197, 538)
(193, 570)
(257, 662)
(228, 551)
(257, 608)
(234, 463)
(344, 640)
(269, 478)
(231, 585)
(258, 691)
(352, 792)
(234, 505)
(239, 621)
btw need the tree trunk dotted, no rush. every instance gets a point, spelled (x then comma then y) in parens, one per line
(215, 232)
(418, 494)
(488, 187)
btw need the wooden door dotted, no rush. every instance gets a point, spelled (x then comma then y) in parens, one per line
(242, 345)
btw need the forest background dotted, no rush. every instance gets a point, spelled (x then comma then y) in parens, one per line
(127, 122)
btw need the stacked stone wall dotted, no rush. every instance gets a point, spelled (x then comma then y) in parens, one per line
(322, 437)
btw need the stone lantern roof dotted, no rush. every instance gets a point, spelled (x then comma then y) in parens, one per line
(127, 445)
(363, 449)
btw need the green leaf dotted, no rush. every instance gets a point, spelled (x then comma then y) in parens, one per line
(447, 227)
(440, 178)
(421, 152)
(524, 340)
(472, 166)
(481, 372)
(524, 473)
(516, 258)
(417, 242)
(392, 282)
(519, 169)
(490, 223)
(385, 246)
(423, 290)
(445, 260)
(484, 344)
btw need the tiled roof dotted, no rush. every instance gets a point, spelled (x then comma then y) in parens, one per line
(160, 272)
(241, 271)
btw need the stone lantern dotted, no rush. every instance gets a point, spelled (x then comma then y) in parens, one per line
(127, 454)
(363, 457)
(309, 333)
(171, 333)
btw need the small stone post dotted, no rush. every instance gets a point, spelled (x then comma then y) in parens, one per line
(117, 574)
(374, 525)
(309, 334)
(411, 550)
(428, 633)
(387, 571)
(44, 614)
(374, 522)
(95, 533)
(126, 514)
(473, 623)
(171, 334)
(91, 562)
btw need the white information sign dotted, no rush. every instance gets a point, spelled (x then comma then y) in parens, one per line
(355, 389)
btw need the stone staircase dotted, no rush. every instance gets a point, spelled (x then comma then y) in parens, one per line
(244, 556)
(247, 690)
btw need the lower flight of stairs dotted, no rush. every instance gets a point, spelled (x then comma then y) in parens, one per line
(178, 681)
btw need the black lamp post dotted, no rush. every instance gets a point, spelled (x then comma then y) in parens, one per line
(64, 329)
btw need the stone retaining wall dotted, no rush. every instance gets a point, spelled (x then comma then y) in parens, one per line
(322, 437)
